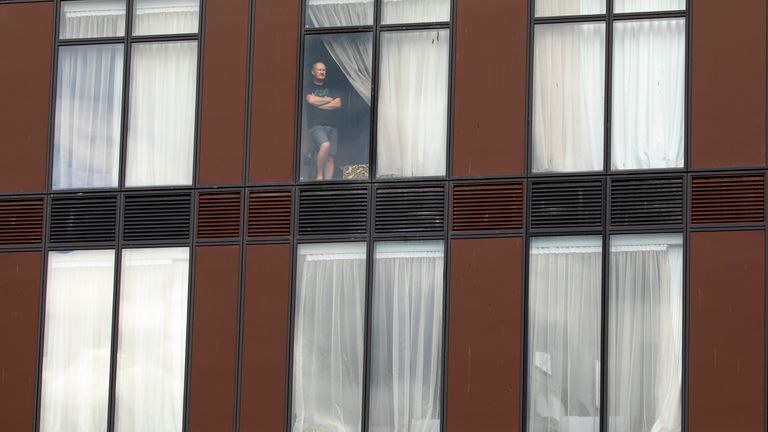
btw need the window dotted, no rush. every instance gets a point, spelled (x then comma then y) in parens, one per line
(406, 321)
(390, 77)
(645, 91)
(108, 134)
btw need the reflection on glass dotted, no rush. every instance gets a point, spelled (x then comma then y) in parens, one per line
(337, 105)
(329, 337)
(415, 11)
(78, 340)
(648, 94)
(152, 340)
(92, 19)
(153, 17)
(546, 8)
(568, 102)
(89, 98)
(407, 337)
(645, 333)
(620, 6)
(413, 104)
(564, 334)
(339, 13)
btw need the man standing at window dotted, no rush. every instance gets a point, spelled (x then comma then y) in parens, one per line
(322, 103)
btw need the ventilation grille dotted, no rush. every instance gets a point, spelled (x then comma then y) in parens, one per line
(83, 219)
(157, 217)
(333, 212)
(647, 202)
(218, 215)
(21, 221)
(410, 209)
(269, 214)
(563, 205)
(488, 207)
(717, 200)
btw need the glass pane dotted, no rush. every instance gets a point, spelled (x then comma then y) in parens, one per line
(568, 101)
(166, 17)
(407, 337)
(564, 334)
(415, 11)
(620, 6)
(413, 104)
(339, 13)
(152, 340)
(648, 94)
(329, 337)
(78, 341)
(569, 7)
(161, 118)
(337, 107)
(89, 100)
(645, 333)
(92, 19)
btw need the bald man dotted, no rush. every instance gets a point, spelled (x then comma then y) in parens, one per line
(322, 105)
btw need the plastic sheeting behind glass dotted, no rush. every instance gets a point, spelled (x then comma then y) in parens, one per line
(569, 7)
(92, 19)
(329, 338)
(621, 6)
(415, 11)
(153, 17)
(648, 94)
(564, 334)
(89, 100)
(339, 13)
(78, 339)
(568, 101)
(152, 340)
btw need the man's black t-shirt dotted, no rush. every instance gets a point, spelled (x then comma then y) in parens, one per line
(316, 116)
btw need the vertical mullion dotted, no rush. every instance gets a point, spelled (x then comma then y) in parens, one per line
(41, 312)
(608, 82)
(369, 269)
(298, 155)
(198, 92)
(115, 315)
(375, 62)
(192, 246)
(126, 93)
(53, 96)
(450, 90)
(604, 280)
(291, 325)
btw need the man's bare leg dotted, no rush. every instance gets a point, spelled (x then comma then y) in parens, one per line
(322, 160)
(329, 167)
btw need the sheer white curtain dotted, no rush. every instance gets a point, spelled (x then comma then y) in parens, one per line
(564, 334)
(406, 357)
(328, 348)
(648, 94)
(92, 18)
(339, 13)
(353, 53)
(78, 341)
(645, 328)
(620, 6)
(166, 17)
(413, 103)
(88, 112)
(569, 7)
(152, 339)
(568, 97)
(415, 11)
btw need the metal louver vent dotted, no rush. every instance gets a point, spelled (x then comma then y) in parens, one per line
(218, 215)
(723, 199)
(76, 219)
(333, 212)
(157, 217)
(488, 207)
(21, 221)
(410, 209)
(566, 204)
(269, 214)
(654, 201)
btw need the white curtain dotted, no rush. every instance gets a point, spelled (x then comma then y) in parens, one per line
(568, 97)
(161, 119)
(328, 348)
(413, 104)
(152, 339)
(88, 112)
(569, 7)
(406, 357)
(78, 341)
(648, 94)
(92, 18)
(353, 53)
(339, 13)
(166, 17)
(564, 334)
(645, 328)
(620, 6)
(415, 11)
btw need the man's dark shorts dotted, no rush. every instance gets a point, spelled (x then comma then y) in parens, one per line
(321, 134)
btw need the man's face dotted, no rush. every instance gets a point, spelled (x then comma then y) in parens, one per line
(318, 71)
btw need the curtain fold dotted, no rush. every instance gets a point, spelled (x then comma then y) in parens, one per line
(415, 11)
(166, 17)
(622, 6)
(91, 19)
(339, 13)
(569, 7)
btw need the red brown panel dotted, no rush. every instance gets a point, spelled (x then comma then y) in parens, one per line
(726, 370)
(273, 101)
(214, 339)
(490, 87)
(222, 117)
(265, 338)
(728, 84)
(19, 305)
(484, 335)
(25, 76)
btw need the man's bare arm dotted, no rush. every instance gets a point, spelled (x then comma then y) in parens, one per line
(318, 101)
(334, 104)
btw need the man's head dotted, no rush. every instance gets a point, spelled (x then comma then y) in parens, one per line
(318, 72)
